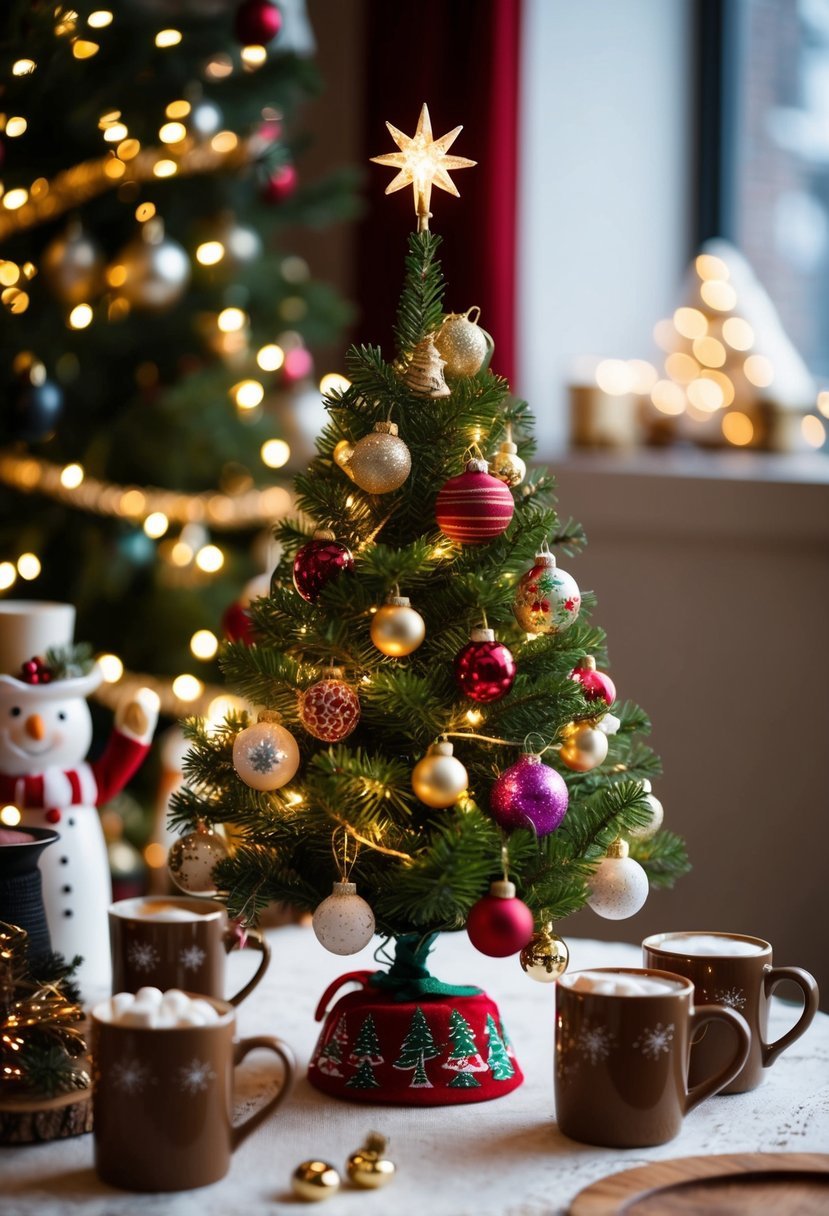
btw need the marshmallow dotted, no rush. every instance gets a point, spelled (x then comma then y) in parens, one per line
(148, 996)
(151, 1009)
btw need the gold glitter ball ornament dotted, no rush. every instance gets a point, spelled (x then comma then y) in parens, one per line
(545, 957)
(369, 1168)
(397, 629)
(192, 858)
(584, 747)
(463, 346)
(507, 465)
(439, 778)
(381, 462)
(342, 456)
(315, 1180)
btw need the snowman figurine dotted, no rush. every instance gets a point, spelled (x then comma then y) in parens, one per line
(45, 733)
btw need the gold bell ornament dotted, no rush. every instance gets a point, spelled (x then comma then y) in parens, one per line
(380, 462)
(369, 1168)
(584, 747)
(424, 375)
(342, 454)
(397, 629)
(506, 464)
(464, 346)
(439, 778)
(315, 1180)
(545, 956)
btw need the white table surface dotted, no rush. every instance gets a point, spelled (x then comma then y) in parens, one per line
(500, 1158)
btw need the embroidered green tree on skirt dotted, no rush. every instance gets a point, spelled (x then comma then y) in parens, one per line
(464, 1056)
(499, 1062)
(418, 1047)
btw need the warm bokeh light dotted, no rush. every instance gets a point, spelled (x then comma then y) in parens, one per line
(706, 395)
(144, 212)
(23, 67)
(71, 476)
(725, 385)
(690, 322)
(664, 334)
(15, 199)
(668, 397)
(231, 319)
(334, 382)
(210, 253)
(718, 295)
(643, 376)
(474, 717)
(28, 566)
(204, 644)
(80, 316)
(814, 432)
(165, 168)
(823, 403)
(738, 333)
(681, 367)
(738, 428)
(156, 524)
(172, 133)
(254, 56)
(710, 352)
(8, 574)
(248, 394)
(181, 553)
(111, 668)
(271, 357)
(224, 141)
(155, 855)
(98, 20)
(275, 453)
(187, 687)
(15, 126)
(177, 109)
(166, 38)
(128, 149)
(221, 706)
(210, 559)
(614, 376)
(115, 132)
(710, 267)
(759, 370)
(83, 48)
(10, 816)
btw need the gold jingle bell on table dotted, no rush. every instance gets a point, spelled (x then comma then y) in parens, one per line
(397, 629)
(424, 375)
(584, 747)
(315, 1180)
(380, 462)
(463, 345)
(369, 1168)
(545, 957)
(439, 778)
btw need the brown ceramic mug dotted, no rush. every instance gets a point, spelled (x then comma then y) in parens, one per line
(735, 970)
(176, 942)
(621, 1072)
(163, 1099)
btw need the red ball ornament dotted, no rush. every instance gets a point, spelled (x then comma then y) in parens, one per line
(595, 685)
(280, 185)
(318, 562)
(236, 624)
(329, 710)
(257, 22)
(499, 924)
(474, 507)
(484, 669)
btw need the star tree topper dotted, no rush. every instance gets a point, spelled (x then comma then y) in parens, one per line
(423, 162)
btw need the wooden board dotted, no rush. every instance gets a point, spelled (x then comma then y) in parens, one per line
(777, 1184)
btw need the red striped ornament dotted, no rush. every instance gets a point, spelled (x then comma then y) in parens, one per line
(474, 507)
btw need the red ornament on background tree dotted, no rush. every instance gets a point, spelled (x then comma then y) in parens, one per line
(595, 684)
(281, 184)
(330, 709)
(236, 624)
(474, 507)
(257, 22)
(318, 562)
(484, 669)
(499, 924)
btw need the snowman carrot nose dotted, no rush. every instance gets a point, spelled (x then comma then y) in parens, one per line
(35, 726)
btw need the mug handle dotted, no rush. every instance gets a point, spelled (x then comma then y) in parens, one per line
(240, 1049)
(808, 985)
(712, 1085)
(255, 941)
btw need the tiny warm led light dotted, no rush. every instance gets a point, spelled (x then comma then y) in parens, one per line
(15, 199)
(823, 403)
(100, 19)
(71, 476)
(271, 357)
(738, 333)
(144, 212)
(220, 707)
(80, 316)
(275, 453)
(23, 67)
(814, 432)
(690, 322)
(106, 120)
(292, 797)
(710, 267)
(643, 376)
(187, 687)
(9, 273)
(248, 394)
(10, 816)
(718, 295)
(111, 668)
(210, 559)
(209, 253)
(128, 149)
(82, 48)
(681, 367)
(15, 126)
(738, 428)
(181, 554)
(219, 67)
(7, 575)
(668, 397)
(231, 319)
(474, 717)
(165, 38)
(156, 524)
(204, 644)
(28, 566)
(16, 301)
(333, 382)
(165, 168)
(116, 275)
(115, 168)
(613, 376)
(177, 109)
(706, 395)
(155, 855)
(115, 132)
(254, 56)
(132, 502)
(172, 133)
(224, 141)
(758, 370)
(709, 351)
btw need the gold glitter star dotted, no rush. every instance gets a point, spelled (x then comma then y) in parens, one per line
(423, 162)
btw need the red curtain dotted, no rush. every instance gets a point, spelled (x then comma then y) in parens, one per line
(462, 58)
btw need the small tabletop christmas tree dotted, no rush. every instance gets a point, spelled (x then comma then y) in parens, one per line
(445, 735)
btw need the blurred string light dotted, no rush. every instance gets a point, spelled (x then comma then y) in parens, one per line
(333, 382)
(271, 357)
(813, 430)
(275, 453)
(167, 38)
(197, 699)
(28, 566)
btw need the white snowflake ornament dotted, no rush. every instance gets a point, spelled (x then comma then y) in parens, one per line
(265, 755)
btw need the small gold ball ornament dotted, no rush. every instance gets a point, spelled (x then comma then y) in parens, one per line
(368, 1167)
(462, 344)
(439, 778)
(584, 747)
(397, 629)
(545, 957)
(342, 454)
(315, 1180)
(507, 465)
(380, 462)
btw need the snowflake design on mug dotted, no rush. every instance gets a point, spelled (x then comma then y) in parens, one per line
(143, 956)
(191, 957)
(655, 1042)
(195, 1077)
(594, 1043)
(130, 1076)
(735, 998)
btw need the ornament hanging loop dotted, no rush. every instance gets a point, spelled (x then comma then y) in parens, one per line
(529, 748)
(468, 314)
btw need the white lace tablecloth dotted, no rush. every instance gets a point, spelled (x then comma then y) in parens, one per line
(499, 1158)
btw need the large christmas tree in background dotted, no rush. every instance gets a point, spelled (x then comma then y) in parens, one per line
(427, 617)
(157, 332)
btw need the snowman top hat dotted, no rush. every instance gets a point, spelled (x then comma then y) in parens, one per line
(28, 629)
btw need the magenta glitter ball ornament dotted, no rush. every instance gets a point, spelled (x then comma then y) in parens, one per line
(529, 794)
(317, 562)
(595, 685)
(329, 710)
(499, 924)
(474, 506)
(484, 669)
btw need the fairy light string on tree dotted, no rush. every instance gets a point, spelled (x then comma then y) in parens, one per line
(436, 827)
